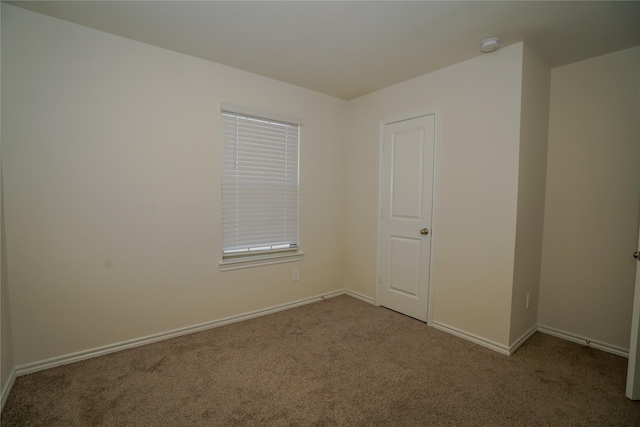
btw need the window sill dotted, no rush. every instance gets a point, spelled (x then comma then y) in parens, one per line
(258, 260)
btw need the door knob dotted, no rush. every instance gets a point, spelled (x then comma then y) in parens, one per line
(636, 254)
(424, 231)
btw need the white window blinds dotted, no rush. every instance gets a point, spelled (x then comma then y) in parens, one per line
(259, 184)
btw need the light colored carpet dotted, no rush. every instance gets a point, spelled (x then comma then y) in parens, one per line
(336, 362)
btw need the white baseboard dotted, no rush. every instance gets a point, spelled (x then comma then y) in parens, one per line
(609, 348)
(361, 297)
(100, 351)
(502, 349)
(4, 393)
(516, 345)
(136, 342)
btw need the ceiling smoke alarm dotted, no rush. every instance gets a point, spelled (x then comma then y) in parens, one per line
(490, 45)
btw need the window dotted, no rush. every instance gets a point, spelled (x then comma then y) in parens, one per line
(259, 187)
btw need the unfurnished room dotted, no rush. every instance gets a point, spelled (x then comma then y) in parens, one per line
(320, 213)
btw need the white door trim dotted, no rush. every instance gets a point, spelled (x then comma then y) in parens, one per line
(436, 112)
(633, 367)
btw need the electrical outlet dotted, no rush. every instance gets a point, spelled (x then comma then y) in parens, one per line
(295, 274)
(528, 296)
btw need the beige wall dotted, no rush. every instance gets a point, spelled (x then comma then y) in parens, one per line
(111, 162)
(6, 343)
(534, 126)
(592, 200)
(111, 175)
(477, 187)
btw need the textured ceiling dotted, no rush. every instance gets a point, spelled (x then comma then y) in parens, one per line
(348, 49)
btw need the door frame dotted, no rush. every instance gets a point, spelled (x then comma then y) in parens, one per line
(633, 367)
(436, 112)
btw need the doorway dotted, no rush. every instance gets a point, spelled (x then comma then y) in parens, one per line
(405, 231)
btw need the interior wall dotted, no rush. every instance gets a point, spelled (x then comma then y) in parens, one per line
(592, 199)
(475, 220)
(534, 128)
(6, 342)
(111, 161)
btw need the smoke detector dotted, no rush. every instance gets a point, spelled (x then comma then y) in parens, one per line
(490, 45)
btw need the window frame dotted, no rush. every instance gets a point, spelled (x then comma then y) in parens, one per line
(233, 261)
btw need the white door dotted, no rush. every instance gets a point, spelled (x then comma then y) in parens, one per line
(405, 234)
(633, 372)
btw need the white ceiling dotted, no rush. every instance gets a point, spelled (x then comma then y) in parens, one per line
(347, 49)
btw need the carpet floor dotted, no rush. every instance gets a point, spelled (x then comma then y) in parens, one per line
(338, 362)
